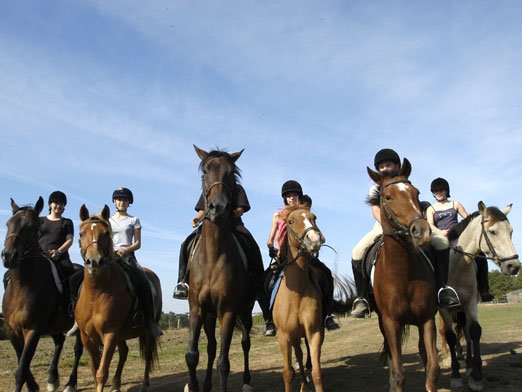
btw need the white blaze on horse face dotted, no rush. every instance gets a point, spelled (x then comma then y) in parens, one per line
(313, 235)
(402, 187)
(93, 257)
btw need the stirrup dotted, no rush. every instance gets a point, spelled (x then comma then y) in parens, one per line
(367, 313)
(181, 291)
(450, 304)
(333, 323)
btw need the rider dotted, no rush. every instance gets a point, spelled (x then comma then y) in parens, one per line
(443, 216)
(56, 237)
(126, 238)
(292, 194)
(386, 161)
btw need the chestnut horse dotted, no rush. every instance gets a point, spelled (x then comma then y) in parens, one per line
(218, 281)
(105, 305)
(31, 303)
(404, 284)
(486, 232)
(298, 311)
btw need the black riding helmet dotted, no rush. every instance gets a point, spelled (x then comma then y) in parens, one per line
(57, 197)
(123, 193)
(291, 186)
(306, 200)
(386, 155)
(440, 183)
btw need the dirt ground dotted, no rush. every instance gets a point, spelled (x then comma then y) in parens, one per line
(350, 360)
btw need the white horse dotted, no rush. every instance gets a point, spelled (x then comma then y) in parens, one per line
(486, 232)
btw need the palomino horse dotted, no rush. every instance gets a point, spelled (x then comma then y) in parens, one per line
(404, 284)
(484, 232)
(218, 281)
(298, 311)
(31, 302)
(105, 305)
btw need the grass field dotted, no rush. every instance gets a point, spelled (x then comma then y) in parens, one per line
(350, 359)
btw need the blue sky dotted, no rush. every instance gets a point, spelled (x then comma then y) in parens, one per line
(101, 94)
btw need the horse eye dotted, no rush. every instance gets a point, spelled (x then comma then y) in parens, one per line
(492, 232)
(388, 197)
(291, 222)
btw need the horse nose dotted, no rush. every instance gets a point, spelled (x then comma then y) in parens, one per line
(8, 255)
(88, 263)
(513, 267)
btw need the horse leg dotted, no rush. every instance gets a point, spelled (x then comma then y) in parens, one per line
(73, 378)
(53, 381)
(429, 334)
(443, 343)
(93, 348)
(299, 356)
(393, 332)
(23, 372)
(210, 330)
(475, 380)
(245, 344)
(123, 352)
(110, 340)
(227, 328)
(192, 355)
(286, 350)
(316, 341)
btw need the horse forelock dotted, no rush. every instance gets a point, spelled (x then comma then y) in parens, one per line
(221, 154)
(496, 215)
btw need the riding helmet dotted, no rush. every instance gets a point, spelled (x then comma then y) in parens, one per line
(291, 186)
(305, 199)
(57, 197)
(386, 155)
(123, 193)
(440, 183)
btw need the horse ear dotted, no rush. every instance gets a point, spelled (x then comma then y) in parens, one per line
(376, 177)
(482, 208)
(235, 155)
(202, 154)
(106, 212)
(14, 206)
(84, 213)
(39, 205)
(405, 168)
(507, 209)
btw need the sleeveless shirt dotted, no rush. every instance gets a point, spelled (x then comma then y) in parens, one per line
(446, 219)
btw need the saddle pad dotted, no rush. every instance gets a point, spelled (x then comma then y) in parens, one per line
(275, 289)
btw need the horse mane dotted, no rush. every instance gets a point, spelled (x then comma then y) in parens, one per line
(221, 154)
(494, 212)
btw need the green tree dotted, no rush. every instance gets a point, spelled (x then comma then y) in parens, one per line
(501, 284)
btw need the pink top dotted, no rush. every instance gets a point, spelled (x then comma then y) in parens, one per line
(281, 231)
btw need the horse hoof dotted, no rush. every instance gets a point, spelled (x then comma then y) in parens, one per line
(247, 388)
(51, 387)
(456, 383)
(446, 362)
(186, 389)
(69, 388)
(475, 385)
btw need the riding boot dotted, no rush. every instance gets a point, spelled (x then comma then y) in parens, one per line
(447, 296)
(360, 308)
(144, 292)
(327, 290)
(182, 288)
(482, 279)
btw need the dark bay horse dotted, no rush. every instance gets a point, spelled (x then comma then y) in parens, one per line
(298, 311)
(105, 305)
(31, 303)
(218, 281)
(404, 284)
(485, 232)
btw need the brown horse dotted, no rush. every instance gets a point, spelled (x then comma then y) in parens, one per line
(105, 306)
(218, 281)
(404, 284)
(31, 302)
(485, 232)
(298, 311)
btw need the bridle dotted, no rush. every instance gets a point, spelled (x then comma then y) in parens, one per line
(400, 229)
(95, 240)
(300, 240)
(494, 255)
(28, 249)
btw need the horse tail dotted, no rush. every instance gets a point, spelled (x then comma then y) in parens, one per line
(345, 293)
(384, 354)
(149, 350)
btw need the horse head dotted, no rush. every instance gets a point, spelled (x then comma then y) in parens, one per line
(95, 239)
(218, 182)
(302, 231)
(400, 207)
(497, 234)
(21, 238)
